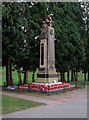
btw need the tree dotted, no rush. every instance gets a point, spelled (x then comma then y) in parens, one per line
(20, 26)
(6, 31)
(86, 15)
(69, 27)
(12, 35)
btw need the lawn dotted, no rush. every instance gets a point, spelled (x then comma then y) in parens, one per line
(12, 104)
(80, 76)
(0, 104)
(15, 76)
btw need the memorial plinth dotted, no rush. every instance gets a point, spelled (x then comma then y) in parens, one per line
(47, 71)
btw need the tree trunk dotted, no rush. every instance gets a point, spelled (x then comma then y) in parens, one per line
(19, 76)
(76, 75)
(63, 73)
(68, 75)
(88, 75)
(25, 77)
(85, 76)
(72, 75)
(33, 75)
(7, 73)
(61, 76)
(11, 80)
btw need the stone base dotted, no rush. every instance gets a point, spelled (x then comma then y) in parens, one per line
(49, 77)
(46, 80)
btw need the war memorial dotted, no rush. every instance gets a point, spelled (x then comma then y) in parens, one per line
(47, 71)
(47, 77)
(43, 61)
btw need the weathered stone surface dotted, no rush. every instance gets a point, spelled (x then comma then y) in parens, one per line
(47, 71)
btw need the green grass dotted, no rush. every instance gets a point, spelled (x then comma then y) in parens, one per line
(80, 76)
(0, 75)
(14, 76)
(12, 104)
(0, 104)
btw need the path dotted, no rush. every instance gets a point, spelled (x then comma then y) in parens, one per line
(72, 105)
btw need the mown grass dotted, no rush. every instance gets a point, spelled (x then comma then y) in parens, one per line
(80, 76)
(12, 104)
(15, 76)
(0, 104)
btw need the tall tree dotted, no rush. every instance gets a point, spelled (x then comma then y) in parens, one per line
(12, 35)
(86, 14)
(21, 24)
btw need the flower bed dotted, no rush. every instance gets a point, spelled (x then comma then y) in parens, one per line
(45, 87)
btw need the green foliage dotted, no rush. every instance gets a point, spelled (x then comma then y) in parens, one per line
(22, 22)
(14, 77)
(70, 43)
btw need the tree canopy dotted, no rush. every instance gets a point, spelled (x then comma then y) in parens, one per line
(21, 27)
